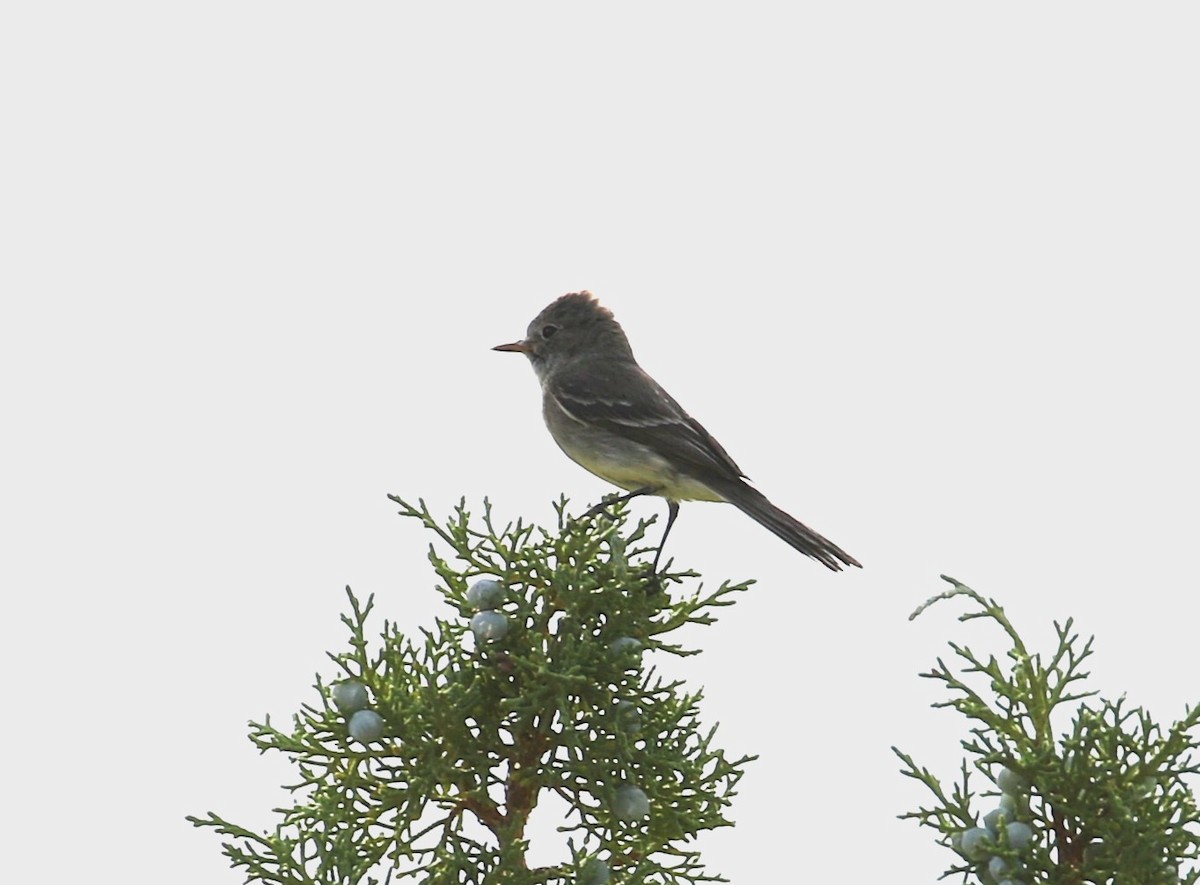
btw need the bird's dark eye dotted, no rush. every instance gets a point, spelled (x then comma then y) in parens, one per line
(549, 330)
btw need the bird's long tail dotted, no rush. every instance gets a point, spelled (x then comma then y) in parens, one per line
(755, 505)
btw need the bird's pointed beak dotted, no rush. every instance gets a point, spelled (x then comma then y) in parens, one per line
(515, 347)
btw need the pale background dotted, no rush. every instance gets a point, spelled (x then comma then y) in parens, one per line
(928, 271)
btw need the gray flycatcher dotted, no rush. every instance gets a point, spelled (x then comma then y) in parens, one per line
(613, 419)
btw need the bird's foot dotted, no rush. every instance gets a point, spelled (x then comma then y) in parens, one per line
(605, 506)
(601, 508)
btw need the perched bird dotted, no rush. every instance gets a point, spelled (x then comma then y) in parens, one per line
(613, 419)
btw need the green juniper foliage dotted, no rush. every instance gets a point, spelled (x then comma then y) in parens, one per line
(423, 758)
(1104, 802)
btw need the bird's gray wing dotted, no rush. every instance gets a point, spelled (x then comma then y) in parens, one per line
(618, 397)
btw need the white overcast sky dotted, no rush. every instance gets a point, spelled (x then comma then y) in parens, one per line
(928, 270)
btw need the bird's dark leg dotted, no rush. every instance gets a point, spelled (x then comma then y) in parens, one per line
(603, 506)
(672, 512)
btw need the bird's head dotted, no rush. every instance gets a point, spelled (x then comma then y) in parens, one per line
(574, 325)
